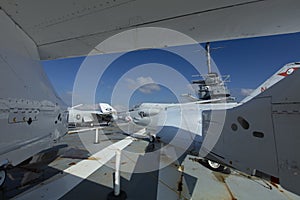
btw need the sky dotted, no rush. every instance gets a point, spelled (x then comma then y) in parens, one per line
(160, 75)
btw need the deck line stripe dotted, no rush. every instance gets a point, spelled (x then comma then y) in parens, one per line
(75, 174)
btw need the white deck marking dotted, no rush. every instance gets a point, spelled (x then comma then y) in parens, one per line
(84, 130)
(75, 174)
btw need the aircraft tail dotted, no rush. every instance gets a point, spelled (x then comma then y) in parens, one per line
(265, 129)
(108, 110)
(285, 71)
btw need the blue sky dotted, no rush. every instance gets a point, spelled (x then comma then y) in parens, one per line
(249, 62)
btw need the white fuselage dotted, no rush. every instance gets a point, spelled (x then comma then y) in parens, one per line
(32, 116)
(83, 114)
(171, 117)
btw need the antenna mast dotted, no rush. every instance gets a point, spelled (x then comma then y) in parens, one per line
(208, 56)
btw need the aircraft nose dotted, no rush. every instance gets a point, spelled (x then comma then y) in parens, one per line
(142, 121)
(139, 119)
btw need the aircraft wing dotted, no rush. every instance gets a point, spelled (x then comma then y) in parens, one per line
(73, 27)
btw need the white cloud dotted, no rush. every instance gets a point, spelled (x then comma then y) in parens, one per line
(144, 84)
(246, 91)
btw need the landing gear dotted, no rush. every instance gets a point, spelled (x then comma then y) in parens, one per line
(2, 177)
(215, 166)
(152, 138)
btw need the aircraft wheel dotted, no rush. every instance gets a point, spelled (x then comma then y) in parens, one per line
(152, 138)
(215, 166)
(2, 177)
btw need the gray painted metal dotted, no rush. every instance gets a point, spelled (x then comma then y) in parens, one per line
(32, 117)
(253, 137)
(196, 181)
(75, 27)
(271, 143)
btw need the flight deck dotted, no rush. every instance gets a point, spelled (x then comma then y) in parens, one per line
(70, 171)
